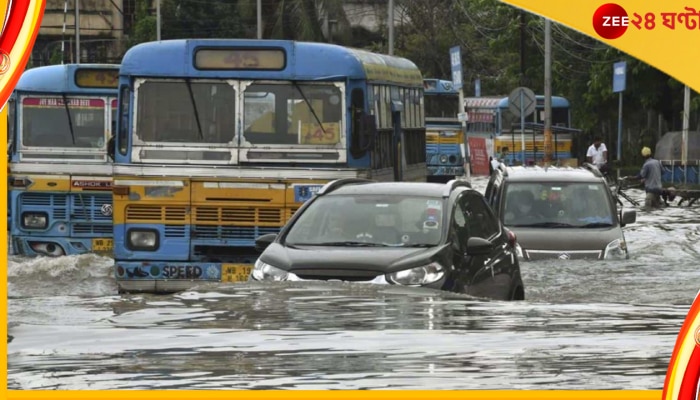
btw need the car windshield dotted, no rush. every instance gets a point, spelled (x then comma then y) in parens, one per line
(557, 205)
(369, 220)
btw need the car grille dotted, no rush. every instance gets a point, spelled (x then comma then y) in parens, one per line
(349, 275)
(82, 210)
(563, 255)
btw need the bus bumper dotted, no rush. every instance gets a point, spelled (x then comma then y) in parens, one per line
(445, 170)
(169, 277)
(33, 246)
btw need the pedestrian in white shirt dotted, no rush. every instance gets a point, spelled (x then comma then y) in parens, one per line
(598, 155)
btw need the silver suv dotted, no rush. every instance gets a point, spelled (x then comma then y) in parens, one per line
(563, 213)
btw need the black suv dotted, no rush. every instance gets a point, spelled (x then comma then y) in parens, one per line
(440, 236)
(560, 212)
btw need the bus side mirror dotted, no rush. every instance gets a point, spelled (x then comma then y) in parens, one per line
(111, 147)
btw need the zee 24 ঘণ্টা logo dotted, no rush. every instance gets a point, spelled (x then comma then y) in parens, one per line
(611, 20)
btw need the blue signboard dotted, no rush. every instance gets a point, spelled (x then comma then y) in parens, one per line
(302, 193)
(477, 87)
(619, 76)
(456, 63)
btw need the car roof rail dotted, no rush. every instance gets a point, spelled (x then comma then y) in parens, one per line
(593, 169)
(454, 184)
(333, 185)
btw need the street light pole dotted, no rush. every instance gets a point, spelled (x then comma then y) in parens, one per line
(158, 20)
(259, 6)
(547, 91)
(391, 27)
(77, 31)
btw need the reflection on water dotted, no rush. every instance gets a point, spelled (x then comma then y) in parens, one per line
(584, 325)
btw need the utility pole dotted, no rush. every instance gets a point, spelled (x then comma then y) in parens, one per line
(259, 7)
(77, 32)
(547, 91)
(391, 27)
(158, 20)
(522, 48)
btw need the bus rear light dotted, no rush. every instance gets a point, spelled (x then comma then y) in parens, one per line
(121, 190)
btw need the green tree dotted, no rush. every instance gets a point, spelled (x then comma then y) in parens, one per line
(144, 24)
(201, 19)
(297, 19)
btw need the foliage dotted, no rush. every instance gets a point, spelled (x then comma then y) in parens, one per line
(144, 29)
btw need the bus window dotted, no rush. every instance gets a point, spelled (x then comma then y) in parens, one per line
(560, 117)
(185, 112)
(443, 106)
(113, 117)
(124, 97)
(10, 125)
(48, 122)
(292, 114)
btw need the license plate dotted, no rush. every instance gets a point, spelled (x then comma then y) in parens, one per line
(235, 272)
(102, 245)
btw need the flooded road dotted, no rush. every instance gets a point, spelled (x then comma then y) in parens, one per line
(584, 325)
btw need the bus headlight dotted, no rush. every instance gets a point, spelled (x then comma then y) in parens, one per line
(443, 158)
(142, 239)
(35, 220)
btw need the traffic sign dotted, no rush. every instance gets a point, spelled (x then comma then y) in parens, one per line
(522, 105)
(456, 64)
(619, 76)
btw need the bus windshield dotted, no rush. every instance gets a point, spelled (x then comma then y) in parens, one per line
(49, 122)
(292, 113)
(187, 112)
(442, 106)
(183, 111)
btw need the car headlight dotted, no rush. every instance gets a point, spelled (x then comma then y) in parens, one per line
(519, 251)
(615, 250)
(33, 220)
(418, 276)
(266, 272)
(141, 239)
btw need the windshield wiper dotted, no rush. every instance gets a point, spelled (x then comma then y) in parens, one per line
(194, 107)
(70, 120)
(547, 225)
(597, 225)
(308, 104)
(343, 244)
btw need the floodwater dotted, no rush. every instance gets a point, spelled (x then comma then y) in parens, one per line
(584, 325)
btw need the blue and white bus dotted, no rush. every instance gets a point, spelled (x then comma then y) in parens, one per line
(60, 175)
(444, 138)
(220, 141)
(490, 117)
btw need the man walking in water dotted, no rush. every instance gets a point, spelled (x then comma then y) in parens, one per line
(597, 155)
(651, 176)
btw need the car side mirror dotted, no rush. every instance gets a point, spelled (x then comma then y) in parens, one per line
(628, 217)
(477, 246)
(263, 241)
